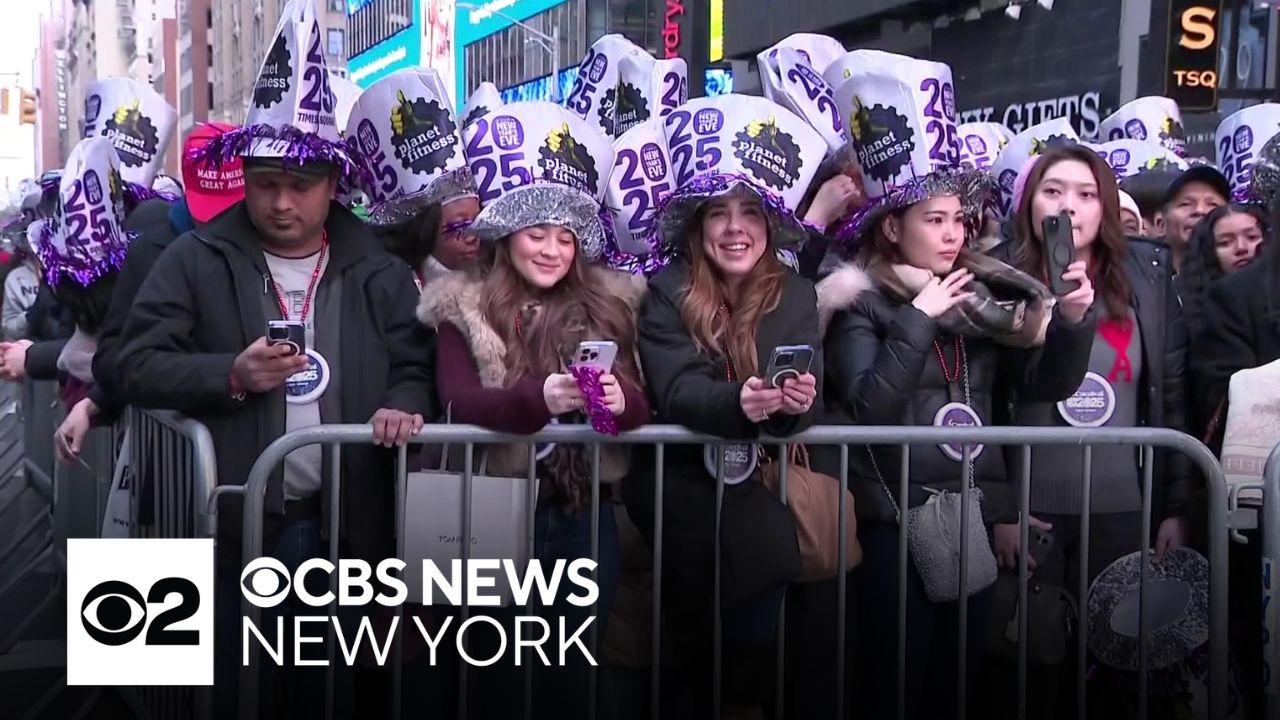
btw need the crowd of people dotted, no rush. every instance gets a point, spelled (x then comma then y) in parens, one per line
(383, 259)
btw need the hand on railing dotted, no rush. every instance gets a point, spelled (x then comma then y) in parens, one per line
(394, 427)
(13, 360)
(69, 438)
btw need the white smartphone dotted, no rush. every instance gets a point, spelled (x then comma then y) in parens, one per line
(596, 353)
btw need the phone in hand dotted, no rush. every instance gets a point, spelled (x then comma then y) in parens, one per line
(1060, 251)
(788, 362)
(596, 353)
(292, 333)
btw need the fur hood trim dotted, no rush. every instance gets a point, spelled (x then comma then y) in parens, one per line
(455, 298)
(840, 291)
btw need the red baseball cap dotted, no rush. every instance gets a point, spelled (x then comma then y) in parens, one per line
(210, 190)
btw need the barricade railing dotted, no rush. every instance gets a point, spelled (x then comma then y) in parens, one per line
(1270, 524)
(1146, 440)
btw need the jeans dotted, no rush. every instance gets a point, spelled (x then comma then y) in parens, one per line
(285, 692)
(932, 635)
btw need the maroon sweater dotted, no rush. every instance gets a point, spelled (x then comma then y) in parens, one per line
(519, 409)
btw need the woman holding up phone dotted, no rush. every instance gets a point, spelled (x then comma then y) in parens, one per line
(507, 335)
(708, 331)
(1136, 377)
(923, 331)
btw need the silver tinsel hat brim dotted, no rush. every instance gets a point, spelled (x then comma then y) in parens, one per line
(543, 204)
(1265, 187)
(450, 186)
(974, 187)
(1170, 641)
(677, 209)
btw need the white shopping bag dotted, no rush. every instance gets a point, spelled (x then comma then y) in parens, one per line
(1253, 425)
(500, 526)
(117, 520)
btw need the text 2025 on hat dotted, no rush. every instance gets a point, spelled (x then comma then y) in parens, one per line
(901, 113)
(735, 143)
(404, 129)
(595, 90)
(1238, 140)
(981, 143)
(538, 163)
(292, 113)
(818, 51)
(641, 180)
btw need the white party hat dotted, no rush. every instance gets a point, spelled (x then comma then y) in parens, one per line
(981, 143)
(1022, 147)
(1152, 118)
(137, 121)
(595, 90)
(648, 88)
(1240, 138)
(819, 51)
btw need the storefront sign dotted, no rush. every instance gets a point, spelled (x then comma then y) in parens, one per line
(1191, 72)
(1083, 110)
(671, 30)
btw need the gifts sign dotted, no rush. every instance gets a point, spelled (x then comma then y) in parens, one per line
(293, 85)
(641, 177)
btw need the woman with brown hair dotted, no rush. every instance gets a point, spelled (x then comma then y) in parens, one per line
(708, 331)
(1136, 377)
(924, 331)
(507, 340)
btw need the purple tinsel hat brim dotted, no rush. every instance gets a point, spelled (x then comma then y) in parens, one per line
(675, 210)
(648, 264)
(302, 148)
(974, 187)
(57, 267)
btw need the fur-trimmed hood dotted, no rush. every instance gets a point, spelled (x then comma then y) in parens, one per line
(455, 298)
(839, 291)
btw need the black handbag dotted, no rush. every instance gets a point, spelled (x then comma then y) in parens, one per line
(759, 550)
(1051, 615)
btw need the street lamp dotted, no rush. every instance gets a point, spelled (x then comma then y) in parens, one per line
(550, 43)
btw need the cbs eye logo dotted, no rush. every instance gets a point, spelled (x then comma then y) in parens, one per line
(114, 612)
(265, 582)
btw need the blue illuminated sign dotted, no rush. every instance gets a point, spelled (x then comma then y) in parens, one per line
(719, 81)
(540, 88)
(400, 51)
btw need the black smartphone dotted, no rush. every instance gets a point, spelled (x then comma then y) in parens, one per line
(292, 333)
(1060, 251)
(788, 361)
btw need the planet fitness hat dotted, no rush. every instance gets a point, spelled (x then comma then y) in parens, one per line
(345, 94)
(482, 101)
(1240, 137)
(648, 88)
(292, 113)
(1027, 144)
(595, 91)
(901, 112)
(537, 162)
(137, 121)
(1130, 157)
(735, 142)
(404, 130)
(210, 190)
(802, 90)
(818, 51)
(1153, 118)
(85, 239)
(641, 180)
(981, 143)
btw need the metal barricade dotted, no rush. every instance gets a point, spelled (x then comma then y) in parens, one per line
(1270, 523)
(841, 437)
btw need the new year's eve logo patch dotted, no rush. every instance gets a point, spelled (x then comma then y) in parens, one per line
(277, 73)
(770, 154)
(133, 134)
(565, 160)
(631, 109)
(884, 140)
(423, 134)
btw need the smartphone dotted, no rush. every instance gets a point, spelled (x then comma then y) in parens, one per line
(788, 361)
(292, 333)
(596, 353)
(1060, 251)
(1041, 542)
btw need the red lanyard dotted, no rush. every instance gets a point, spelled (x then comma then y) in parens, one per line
(728, 360)
(311, 287)
(959, 359)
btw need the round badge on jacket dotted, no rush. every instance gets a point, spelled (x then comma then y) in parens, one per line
(740, 460)
(1091, 405)
(307, 385)
(957, 414)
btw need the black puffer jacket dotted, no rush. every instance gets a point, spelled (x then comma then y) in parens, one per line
(883, 369)
(1163, 402)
